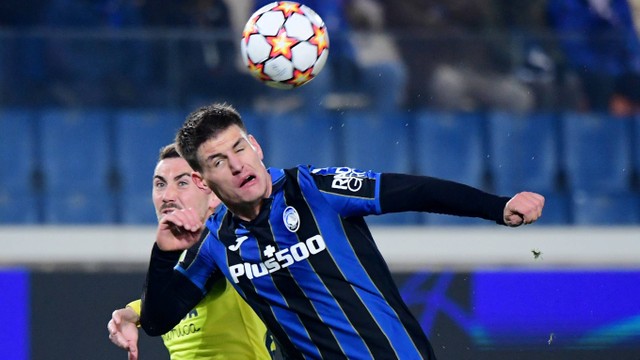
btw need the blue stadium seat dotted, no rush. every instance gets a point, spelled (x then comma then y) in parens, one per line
(80, 207)
(17, 150)
(557, 209)
(523, 152)
(139, 135)
(76, 152)
(18, 207)
(19, 203)
(636, 147)
(295, 138)
(77, 161)
(379, 142)
(597, 152)
(375, 141)
(619, 208)
(451, 146)
(137, 208)
(254, 122)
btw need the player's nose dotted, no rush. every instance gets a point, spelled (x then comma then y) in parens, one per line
(235, 164)
(170, 193)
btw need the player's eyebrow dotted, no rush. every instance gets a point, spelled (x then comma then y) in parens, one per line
(175, 178)
(216, 155)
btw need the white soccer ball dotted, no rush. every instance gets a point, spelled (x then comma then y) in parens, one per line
(285, 44)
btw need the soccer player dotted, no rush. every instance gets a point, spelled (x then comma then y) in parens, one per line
(222, 325)
(294, 243)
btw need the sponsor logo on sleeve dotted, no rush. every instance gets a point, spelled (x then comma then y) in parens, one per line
(348, 179)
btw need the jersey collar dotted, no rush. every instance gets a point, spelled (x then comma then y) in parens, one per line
(277, 179)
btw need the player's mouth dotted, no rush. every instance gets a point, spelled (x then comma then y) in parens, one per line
(169, 208)
(247, 180)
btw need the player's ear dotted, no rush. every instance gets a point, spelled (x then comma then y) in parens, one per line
(255, 145)
(199, 181)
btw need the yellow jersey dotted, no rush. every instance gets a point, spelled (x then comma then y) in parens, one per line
(222, 326)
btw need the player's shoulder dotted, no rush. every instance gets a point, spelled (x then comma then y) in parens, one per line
(306, 173)
(336, 170)
(215, 220)
(344, 180)
(340, 173)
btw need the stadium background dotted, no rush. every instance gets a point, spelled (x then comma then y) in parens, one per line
(90, 90)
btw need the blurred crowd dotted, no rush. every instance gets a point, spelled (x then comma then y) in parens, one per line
(540, 78)
(466, 55)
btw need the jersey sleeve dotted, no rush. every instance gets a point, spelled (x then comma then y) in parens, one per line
(198, 266)
(171, 290)
(351, 192)
(135, 305)
(354, 192)
(400, 192)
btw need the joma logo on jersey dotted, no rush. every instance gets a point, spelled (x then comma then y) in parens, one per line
(279, 259)
(348, 179)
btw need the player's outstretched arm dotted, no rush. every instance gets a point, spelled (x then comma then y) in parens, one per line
(123, 330)
(524, 208)
(168, 295)
(179, 230)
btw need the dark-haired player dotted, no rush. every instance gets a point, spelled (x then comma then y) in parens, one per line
(295, 245)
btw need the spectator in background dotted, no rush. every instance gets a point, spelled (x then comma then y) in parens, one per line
(167, 14)
(601, 48)
(456, 61)
(384, 74)
(534, 51)
(209, 57)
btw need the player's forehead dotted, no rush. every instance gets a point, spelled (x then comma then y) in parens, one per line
(171, 167)
(222, 141)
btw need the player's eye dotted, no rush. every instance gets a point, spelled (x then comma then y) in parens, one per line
(183, 183)
(159, 185)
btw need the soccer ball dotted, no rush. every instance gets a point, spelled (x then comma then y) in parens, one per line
(285, 44)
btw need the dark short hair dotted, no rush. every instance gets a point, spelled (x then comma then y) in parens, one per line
(202, 125)
(168, 152)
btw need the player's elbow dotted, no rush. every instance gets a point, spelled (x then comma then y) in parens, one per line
(153, 328)
(154, 321)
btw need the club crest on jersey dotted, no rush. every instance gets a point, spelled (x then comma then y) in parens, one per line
(291, 219)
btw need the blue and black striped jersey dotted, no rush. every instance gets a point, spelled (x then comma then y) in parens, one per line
(309, 267)
(308, 264)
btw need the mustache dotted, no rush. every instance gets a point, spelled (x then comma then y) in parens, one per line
(170, 206)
